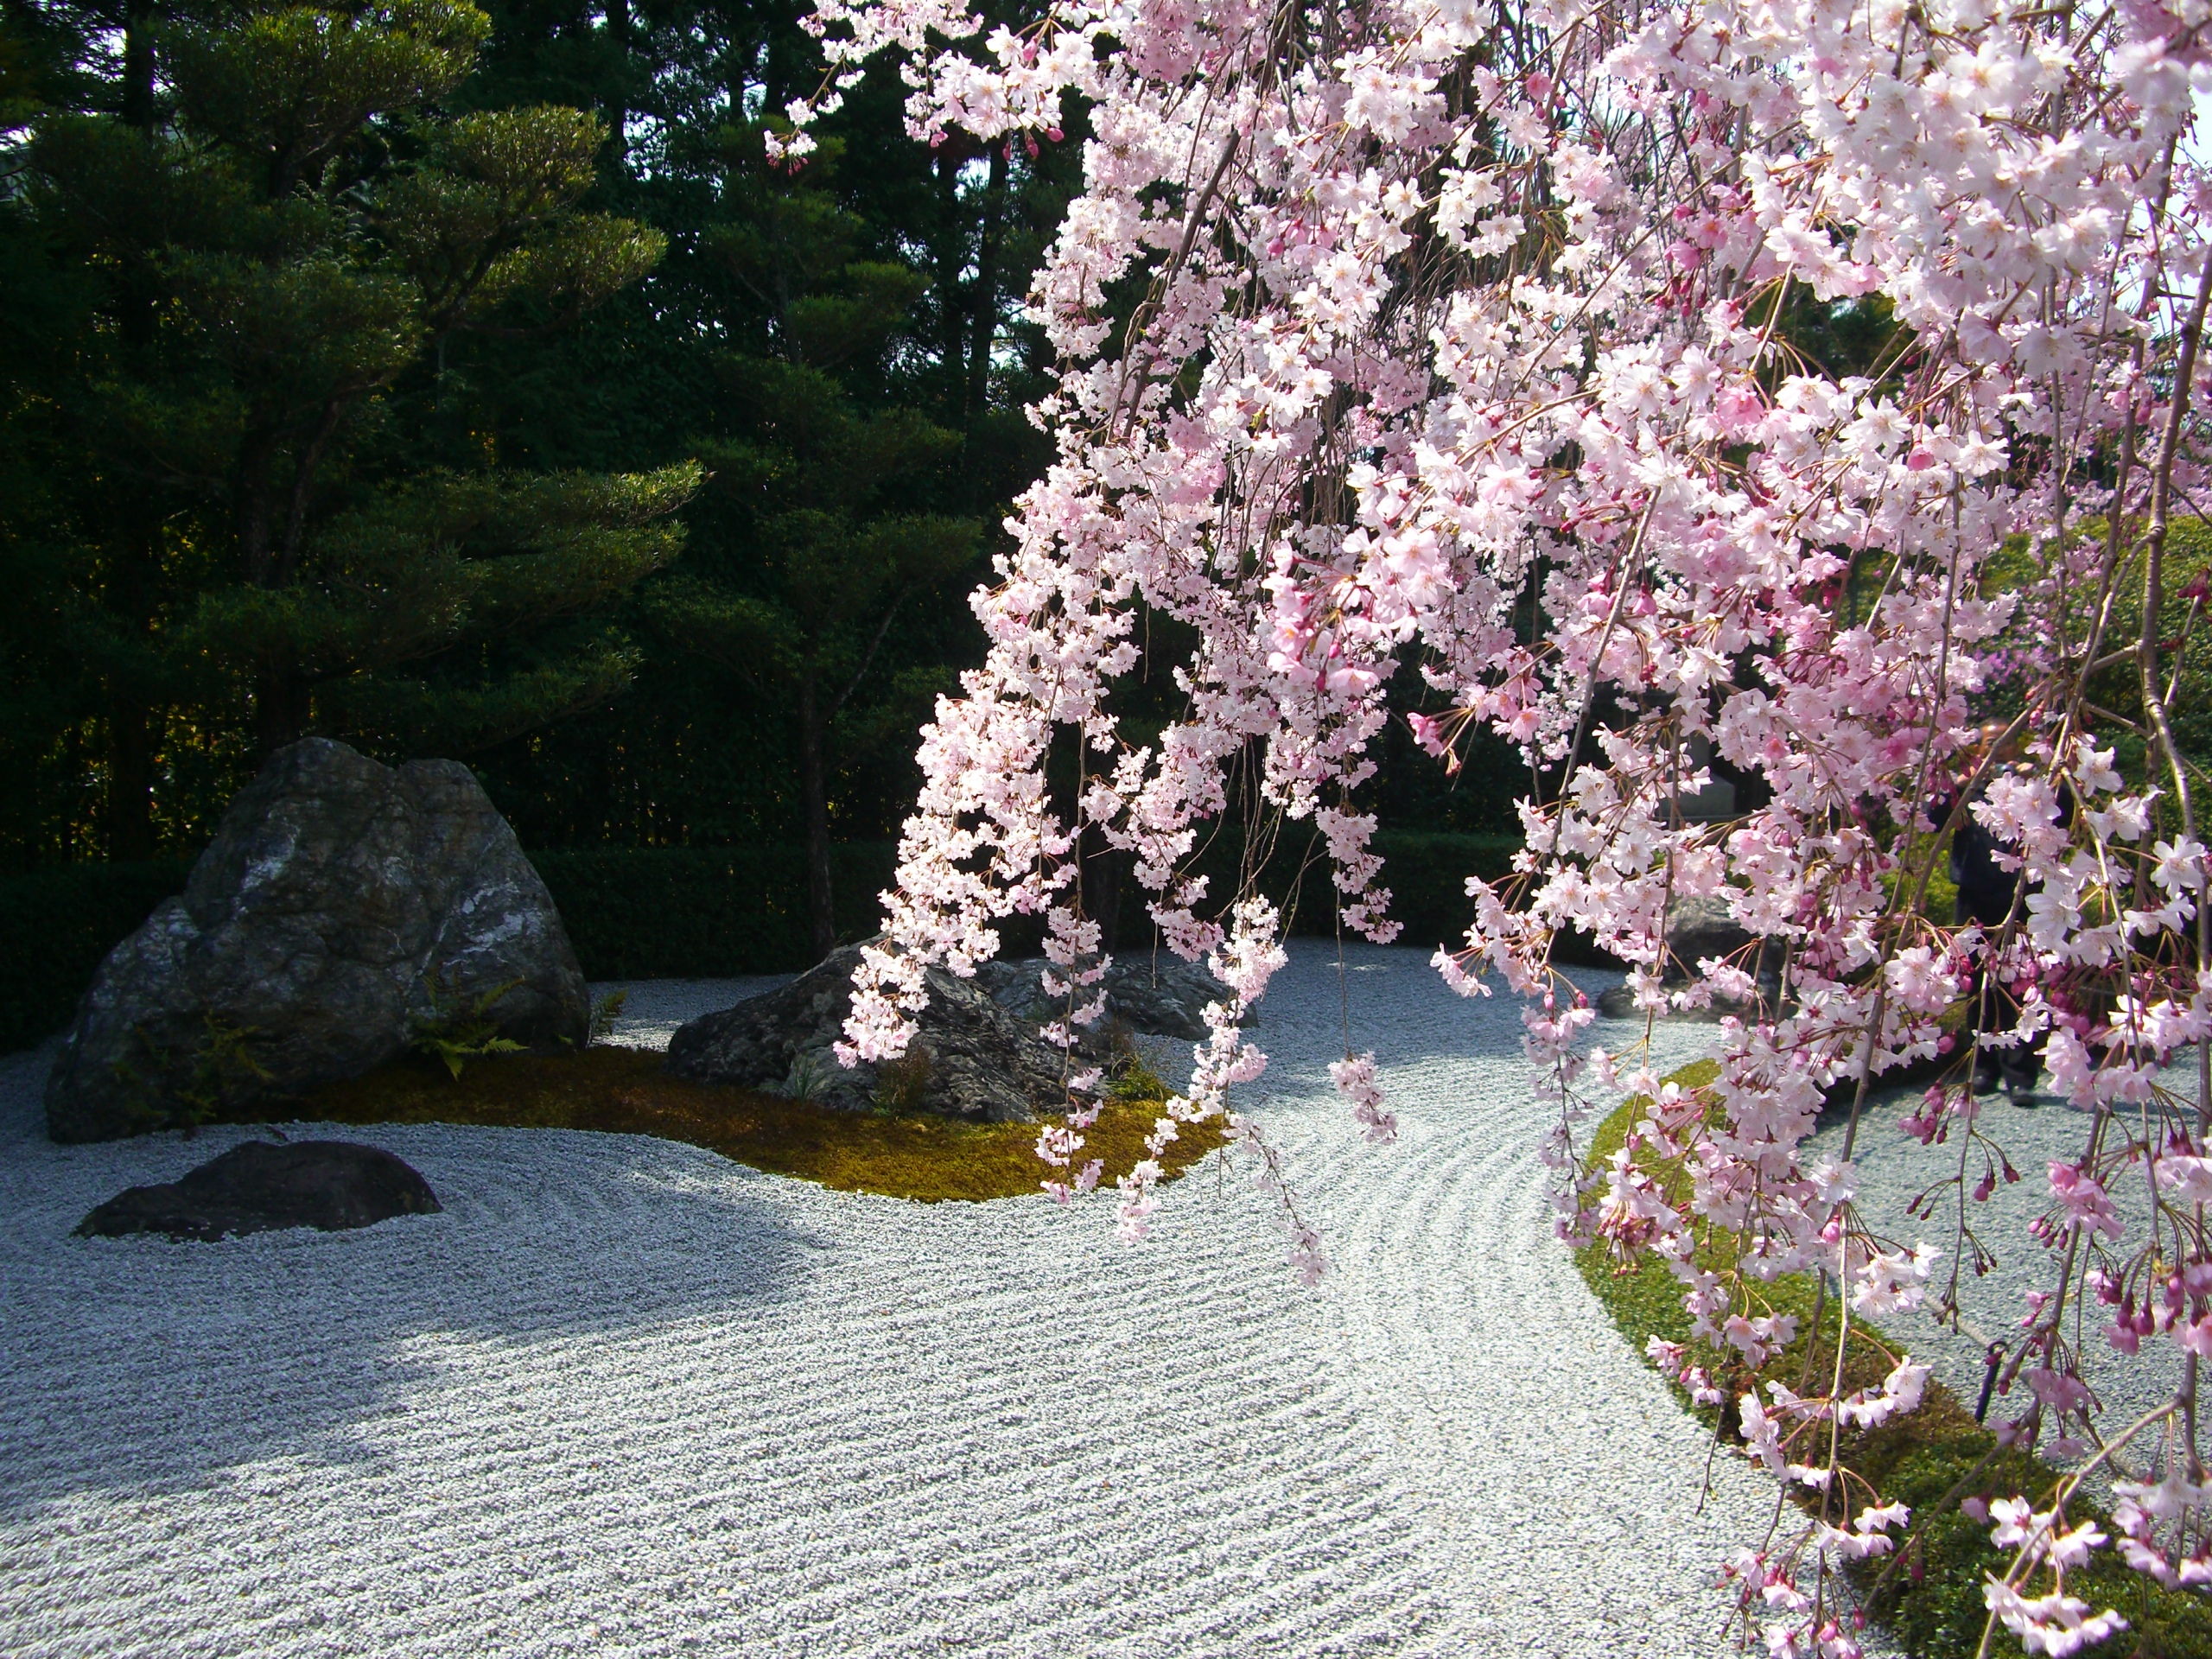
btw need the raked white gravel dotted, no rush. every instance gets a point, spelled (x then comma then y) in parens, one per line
(624, 1397)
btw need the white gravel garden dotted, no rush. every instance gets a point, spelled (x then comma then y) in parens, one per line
(623, 1396)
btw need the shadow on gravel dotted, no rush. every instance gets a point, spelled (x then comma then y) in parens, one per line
(140, 1365)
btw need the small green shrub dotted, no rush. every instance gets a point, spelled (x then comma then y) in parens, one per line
(1135, 1082)
(900, 1084)
(460, 1029)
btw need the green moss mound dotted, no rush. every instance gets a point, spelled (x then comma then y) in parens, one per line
(624, 1091)
(1931, 1599)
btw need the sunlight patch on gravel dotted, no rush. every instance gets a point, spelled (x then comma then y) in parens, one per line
(624, 1397)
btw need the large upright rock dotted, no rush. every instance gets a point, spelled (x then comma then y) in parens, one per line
(970, 1058)
(341, 907)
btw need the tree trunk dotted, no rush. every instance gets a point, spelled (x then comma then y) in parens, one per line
(617, 111)
(952, 342)
(130, 812)
(139, 67)
(775, 75)
(280, 711)
(132, 596)
(271, 556)
(133, 577)
(820, 901)
(1103, 869)
(984, 301)
(278, 718)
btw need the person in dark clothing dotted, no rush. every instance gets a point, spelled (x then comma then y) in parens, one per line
(1987, 894)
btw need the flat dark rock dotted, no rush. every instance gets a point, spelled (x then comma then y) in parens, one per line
(969, 1060)
(342, 907)
(259, 1186)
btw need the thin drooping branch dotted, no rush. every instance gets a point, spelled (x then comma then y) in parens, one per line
(1494, 339)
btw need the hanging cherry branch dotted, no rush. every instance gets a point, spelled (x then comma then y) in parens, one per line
(1441, 306)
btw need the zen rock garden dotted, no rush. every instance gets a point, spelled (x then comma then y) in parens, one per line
(348, 915)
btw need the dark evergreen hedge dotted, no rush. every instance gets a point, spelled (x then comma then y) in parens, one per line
(682, 913)
(703, 912)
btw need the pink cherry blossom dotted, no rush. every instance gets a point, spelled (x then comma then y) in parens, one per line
(1430, 353)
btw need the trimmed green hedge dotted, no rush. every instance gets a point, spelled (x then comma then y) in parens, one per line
(700, 912)
(704, 913)
(1427, 878)
(686, 912)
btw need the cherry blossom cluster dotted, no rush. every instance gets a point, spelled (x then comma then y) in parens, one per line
(1452, 350)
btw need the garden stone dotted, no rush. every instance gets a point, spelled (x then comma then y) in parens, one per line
(1158, 995)
(981, 1063)
(1696, 928)
(1619, 1003)
(342, 907)
(259, 1186)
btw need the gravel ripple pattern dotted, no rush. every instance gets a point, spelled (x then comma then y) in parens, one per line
(623, 1397)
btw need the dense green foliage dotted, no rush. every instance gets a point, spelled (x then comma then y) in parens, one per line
(463, 381)
(363, 366)
(250, 243)
(827, 497)
(2182, 656)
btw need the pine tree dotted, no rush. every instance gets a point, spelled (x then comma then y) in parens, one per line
(270, 223)
(827, 538)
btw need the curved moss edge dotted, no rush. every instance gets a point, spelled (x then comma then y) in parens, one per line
(624, 1092)
(1932, 1606)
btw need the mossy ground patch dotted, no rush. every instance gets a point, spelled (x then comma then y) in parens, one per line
(1932, 1603)
(624, 1091)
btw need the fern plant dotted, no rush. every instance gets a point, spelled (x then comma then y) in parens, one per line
(200, 1080)
(461, 1030)
(901, 1082)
